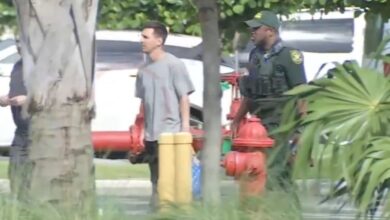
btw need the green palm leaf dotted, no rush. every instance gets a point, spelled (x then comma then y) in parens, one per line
(351, 109)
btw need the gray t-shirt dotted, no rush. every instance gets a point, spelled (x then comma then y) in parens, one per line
(160, 85)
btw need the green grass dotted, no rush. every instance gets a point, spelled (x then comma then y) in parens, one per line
(141, 171)
(103, 171)
(126, 171)
(272, 205)
(3, 169)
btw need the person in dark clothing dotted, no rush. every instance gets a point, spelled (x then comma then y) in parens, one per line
(273, 69)
(18, 153)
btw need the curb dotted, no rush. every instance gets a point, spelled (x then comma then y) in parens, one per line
(137, 186)
(122, 183)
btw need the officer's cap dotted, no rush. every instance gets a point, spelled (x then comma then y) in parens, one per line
(267, 18)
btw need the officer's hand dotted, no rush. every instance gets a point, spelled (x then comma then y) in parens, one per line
(18, 100)
(4, 101)
(234, 127)
(243, 71)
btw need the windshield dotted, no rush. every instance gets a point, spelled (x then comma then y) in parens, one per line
(320, 36)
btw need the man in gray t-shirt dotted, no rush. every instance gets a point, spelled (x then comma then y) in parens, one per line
(163, 84)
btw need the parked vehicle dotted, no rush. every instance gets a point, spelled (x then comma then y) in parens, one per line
(323, 38)
(119, 55)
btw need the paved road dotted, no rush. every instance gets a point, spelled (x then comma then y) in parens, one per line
(132, 197)
(135, 202)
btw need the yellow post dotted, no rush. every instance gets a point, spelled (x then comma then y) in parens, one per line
(183, 164)
(166, 169)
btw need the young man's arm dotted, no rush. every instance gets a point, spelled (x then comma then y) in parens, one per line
(185, 113)
(183, 88)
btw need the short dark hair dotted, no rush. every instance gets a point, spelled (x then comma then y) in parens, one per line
(159, 29)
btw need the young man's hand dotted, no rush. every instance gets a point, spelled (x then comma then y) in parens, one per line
(185, 128)
(18, 100)
(4, 101)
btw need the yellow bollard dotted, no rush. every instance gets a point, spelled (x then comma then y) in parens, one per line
(183, 164)
(166, 169)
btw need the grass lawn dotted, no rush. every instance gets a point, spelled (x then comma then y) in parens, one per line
(103, 171)
(3, 169)
(114, 170)
(126, 171)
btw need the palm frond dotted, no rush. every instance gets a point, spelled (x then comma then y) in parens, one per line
(348, 117)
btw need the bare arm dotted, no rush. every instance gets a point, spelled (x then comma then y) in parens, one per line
(302, 107)
(4, 101)
(185, 113)
(18, 100)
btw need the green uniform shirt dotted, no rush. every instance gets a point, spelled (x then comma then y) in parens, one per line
(270, 75)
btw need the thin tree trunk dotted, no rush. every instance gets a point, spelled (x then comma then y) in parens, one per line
(372, 37)
(208, 15)
(58, 51)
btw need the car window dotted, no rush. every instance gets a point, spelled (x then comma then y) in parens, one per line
(319, 36)
(129, 54)
(116, 54)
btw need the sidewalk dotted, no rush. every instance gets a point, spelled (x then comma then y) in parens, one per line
(143, 186)
(132, 185)
(129, 186)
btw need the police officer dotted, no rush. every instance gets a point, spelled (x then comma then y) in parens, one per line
(273, 69)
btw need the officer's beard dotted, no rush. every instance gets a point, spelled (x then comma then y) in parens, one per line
(261, 43)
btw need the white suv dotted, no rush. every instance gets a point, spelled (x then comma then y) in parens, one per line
(119, 55)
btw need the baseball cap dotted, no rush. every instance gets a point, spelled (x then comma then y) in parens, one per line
(267, 18)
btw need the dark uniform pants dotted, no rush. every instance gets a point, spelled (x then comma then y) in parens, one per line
(280, 173)
(279, 168)
(17, 170)
(151, 156)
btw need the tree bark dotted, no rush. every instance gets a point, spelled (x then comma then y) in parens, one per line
(208, 15)
(58, 52)
(372, 38)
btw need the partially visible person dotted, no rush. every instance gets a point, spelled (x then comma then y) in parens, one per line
(163, 85)
(15, 98)
(273, 69)
(386, 65)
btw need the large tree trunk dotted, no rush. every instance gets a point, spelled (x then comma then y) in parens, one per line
(208, 15)
(58, 51)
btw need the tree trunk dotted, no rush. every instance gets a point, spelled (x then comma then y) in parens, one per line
(372, 38)
(58, 51)
(208, 15)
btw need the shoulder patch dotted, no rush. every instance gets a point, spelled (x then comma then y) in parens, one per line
(296, 56)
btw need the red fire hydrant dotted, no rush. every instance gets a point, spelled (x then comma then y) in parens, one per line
(247, 161)
(131, 140)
